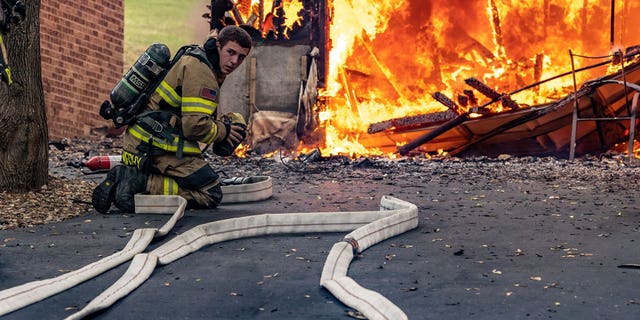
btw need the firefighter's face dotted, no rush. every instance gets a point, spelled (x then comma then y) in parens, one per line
(231, 56)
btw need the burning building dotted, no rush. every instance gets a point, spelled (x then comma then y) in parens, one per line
(462, 77)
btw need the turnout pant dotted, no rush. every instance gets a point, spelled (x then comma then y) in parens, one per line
(189, 177)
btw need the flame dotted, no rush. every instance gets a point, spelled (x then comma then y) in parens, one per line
(388, 57)
(289, 10)
(241, 151)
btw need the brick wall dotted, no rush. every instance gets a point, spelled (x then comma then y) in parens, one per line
(81, 45)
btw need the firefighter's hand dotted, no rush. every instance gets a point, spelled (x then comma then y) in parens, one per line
(226, 147)
(236, 134)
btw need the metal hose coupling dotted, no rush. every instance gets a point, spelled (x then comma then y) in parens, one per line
(354, 244)
(236, 181)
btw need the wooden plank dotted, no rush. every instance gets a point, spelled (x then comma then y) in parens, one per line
(412, 122)
(252, 86)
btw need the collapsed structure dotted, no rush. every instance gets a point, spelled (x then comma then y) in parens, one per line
(592, 119)
(321, 77)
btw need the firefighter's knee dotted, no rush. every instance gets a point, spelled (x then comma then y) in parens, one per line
(206, 182)
(199, 179)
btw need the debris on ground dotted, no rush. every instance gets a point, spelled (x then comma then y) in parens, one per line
(68, 193)
(60, 199)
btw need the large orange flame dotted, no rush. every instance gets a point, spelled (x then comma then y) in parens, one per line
(388, 57)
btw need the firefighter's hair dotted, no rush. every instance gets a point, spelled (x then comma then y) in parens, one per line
(234, 33)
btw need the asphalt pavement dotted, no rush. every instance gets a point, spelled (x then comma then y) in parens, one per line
(534, 239)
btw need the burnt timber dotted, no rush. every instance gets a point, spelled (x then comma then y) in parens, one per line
(542, 130)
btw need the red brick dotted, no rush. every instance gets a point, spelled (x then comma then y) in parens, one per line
(82, 59)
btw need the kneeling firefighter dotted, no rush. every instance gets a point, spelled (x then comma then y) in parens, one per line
(162, 146)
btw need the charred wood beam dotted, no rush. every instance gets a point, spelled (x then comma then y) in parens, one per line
(412, 122)
(491, 94)
(460, 119)
(236, 15)
(511, 124)
(522, 120)
(442, 98)
(404, 150)
(352, 100)
(483, 88)
(497, 29)
(509, 103)
(473, 101)
(537, 69)
(388, 75)
(279, 19)
(463, 100)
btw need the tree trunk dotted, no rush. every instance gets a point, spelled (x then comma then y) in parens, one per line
(23, 123)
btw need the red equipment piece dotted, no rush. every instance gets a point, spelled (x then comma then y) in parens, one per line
(103, 162)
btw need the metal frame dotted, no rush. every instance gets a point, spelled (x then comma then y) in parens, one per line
(632, 113)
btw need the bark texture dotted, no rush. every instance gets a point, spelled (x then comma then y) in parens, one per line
(23, 124)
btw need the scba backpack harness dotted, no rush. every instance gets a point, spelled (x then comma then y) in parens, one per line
(131, 94)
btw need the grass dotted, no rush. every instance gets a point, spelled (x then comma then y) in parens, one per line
(174, 23)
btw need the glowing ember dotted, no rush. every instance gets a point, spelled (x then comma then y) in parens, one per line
(388, 57)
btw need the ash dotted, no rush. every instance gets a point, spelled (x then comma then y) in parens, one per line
(602, 182)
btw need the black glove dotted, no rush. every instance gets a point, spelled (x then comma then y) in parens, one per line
(225, 148)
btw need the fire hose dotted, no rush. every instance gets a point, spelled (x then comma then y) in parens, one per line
(369, 227)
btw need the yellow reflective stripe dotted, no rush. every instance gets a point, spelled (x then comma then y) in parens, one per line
(200, 105)
(168, 94)
(170, 187)
(142, 135)
(213, 133)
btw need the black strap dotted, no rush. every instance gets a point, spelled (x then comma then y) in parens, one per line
(201, 55)
(156, 123)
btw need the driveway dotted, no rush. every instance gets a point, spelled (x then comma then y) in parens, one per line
(521, 238)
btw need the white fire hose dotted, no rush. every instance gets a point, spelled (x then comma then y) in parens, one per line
(394, 217)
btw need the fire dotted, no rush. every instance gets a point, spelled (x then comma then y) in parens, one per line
(288, 10)
(291, 9)
(388, 57)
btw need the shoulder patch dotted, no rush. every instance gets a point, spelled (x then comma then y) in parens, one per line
(209, 94)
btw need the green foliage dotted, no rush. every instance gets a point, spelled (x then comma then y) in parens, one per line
(174, 23)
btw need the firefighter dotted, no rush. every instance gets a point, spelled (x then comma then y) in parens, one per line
(162, 150)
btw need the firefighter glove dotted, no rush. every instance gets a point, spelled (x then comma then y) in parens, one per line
(232, 121)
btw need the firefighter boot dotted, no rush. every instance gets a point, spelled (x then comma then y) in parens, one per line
(130, 182)
(214, 197)
(104, 193)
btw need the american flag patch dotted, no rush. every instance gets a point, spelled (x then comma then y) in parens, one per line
(208, 93)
